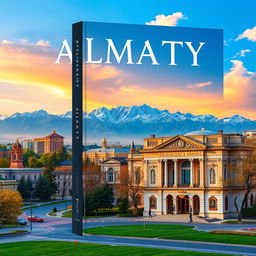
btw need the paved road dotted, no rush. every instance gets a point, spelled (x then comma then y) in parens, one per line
(55, 228)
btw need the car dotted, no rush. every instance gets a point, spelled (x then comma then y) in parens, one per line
(21, 222)
(35, 219)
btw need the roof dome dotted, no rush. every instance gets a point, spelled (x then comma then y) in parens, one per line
(203, 131)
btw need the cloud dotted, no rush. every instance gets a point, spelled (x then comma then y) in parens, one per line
(199, 85)
(250, 34)
(169, 20)
(242, 52)
(239, 91)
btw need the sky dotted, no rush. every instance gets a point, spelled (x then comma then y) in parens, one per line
(32, 33)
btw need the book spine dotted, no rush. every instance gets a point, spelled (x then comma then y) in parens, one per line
(77, 128)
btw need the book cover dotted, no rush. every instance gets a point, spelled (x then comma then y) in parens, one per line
(134, 75)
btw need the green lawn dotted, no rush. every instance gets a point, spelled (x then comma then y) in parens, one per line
(54, 248)
(68, 214)
(176, 232)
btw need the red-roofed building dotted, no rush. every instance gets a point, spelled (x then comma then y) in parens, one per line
(48, 144)
(16, 156)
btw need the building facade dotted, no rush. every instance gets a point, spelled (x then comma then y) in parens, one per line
(8, 184)
(115, 173)
(48, 144)
(16, 156)
(104, 153)
(191, 170)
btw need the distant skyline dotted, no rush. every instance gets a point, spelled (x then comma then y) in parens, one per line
(31, 38)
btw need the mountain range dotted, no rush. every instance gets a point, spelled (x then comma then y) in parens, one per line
(122, 122)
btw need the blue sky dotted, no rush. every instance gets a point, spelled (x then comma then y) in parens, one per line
(50, 20)
(36, 28)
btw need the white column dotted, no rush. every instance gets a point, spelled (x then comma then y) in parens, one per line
(202, 173)
(191, 173)
(175, 173)
(165, 173)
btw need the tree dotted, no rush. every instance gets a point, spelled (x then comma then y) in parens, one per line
(28, 188)
(50, 163)
(123, 204)
(66, 178)
(34, 162)
(42, 189)
(102, 197)
(22, 188)
(27, 154)
(135, 187)
(246, 176)
(4, 162)
(62, 155)
(10, 206)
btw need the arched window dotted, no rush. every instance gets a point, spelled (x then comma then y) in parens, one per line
(153, 176)
(110, 175)
(226, 203)
(137, 177)
(152, 202)
(212, 176)
(213, 203)
(251, 199)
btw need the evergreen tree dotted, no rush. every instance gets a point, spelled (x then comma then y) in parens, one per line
(62, 155)
(42, 189)
(50, 163)
(22, 188)
(123, 204)
(29, 188)
(107, 196)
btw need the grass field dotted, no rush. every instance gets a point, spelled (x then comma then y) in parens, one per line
(175, 232)
(68, 214)
(54, 248)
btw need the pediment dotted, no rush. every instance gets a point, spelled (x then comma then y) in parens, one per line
(111, 161)
(180, 142)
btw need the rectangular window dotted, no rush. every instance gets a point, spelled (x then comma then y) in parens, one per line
(185, 179)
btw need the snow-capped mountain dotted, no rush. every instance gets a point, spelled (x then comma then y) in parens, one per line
(120, 123)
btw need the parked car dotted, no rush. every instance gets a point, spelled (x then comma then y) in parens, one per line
(21, 222)
(35, 219)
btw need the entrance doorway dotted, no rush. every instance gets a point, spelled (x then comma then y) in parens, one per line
(183, 204)
(196, 204)
(169, 204)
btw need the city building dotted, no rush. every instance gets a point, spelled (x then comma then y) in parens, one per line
(63, 174)
(16, 155)
(8, 184)
(48, 144)
(115, 173)
(97, 155)
(191, 170)
(28, 144)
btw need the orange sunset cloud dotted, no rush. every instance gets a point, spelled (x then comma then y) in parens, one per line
(30, 80)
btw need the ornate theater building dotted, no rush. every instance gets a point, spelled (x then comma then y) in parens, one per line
(191, 171)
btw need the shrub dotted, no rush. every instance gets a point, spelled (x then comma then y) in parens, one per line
(249, 212)
(123, 204)
(54, 209)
